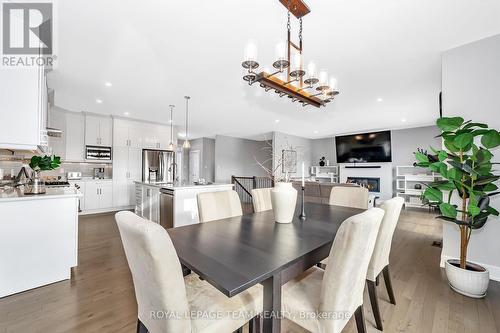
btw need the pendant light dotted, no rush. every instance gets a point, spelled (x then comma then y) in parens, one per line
(171, 144)
(187, 145)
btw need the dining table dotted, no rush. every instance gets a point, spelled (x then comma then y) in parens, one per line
(234, 254)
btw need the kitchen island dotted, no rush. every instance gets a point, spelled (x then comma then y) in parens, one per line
(38, 238)
(172, 205)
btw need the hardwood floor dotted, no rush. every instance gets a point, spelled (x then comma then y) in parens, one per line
(100, 296)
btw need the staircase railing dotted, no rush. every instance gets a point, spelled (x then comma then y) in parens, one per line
(244, 186)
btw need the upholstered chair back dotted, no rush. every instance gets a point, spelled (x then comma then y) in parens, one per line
(349, 196)
(345, 273)
(218, 205)
(261, 199)
(156, 272)
(380, 258)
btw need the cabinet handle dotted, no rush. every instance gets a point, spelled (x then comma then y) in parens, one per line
(97, 191)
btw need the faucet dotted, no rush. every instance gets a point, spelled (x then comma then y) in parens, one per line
(173, 168)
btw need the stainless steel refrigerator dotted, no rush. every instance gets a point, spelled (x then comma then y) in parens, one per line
(158, 166)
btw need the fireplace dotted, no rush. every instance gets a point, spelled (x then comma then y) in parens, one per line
(371, 183)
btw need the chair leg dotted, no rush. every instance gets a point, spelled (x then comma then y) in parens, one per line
(360, 319)
(372, 291)
(141, 328)
(388, 284)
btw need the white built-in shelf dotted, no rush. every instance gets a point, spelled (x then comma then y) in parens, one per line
(407, 176)
(326, 172)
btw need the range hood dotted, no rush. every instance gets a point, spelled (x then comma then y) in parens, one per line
(51, 131)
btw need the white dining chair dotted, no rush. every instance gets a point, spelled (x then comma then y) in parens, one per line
(349, 196)
(380, 259)
(218, 205)
(261, 199)
(324, 300)
(166, 300)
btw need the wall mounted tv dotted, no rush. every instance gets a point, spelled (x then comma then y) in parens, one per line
(365, 147)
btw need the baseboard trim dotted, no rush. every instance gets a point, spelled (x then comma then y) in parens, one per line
(105, 210)
(494, 270)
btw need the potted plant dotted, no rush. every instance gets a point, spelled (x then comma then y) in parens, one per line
(466, 170)
(36, 185)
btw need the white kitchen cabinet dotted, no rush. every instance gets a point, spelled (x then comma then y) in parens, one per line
(98, 194)
(156, 136)
(23, 108)
(128, 133)
(163, 137)
(151, 203)
(98, 131)
(106, 195)
(127, 167)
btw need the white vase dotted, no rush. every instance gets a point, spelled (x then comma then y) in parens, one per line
(283, 199)
(472, 282)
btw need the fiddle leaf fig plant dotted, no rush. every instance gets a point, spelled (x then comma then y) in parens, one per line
(39, 163)
(466, 168)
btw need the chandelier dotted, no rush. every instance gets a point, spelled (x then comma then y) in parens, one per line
(288, 77)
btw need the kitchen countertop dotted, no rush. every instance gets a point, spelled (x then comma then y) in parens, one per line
(174, 187)
(52, 193)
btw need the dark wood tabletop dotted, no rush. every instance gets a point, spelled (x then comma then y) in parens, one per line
(236, 253)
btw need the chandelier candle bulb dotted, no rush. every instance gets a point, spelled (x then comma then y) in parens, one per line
(281, 51)
(311, 70)
(333, 84)
(251, 51)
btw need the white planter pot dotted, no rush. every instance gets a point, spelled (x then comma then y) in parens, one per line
(283, 199)
(472, 282)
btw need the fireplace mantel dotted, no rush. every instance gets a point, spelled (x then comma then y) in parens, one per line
(370, 170)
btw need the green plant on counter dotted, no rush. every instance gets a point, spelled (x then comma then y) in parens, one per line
(466, 168)
(39, 163)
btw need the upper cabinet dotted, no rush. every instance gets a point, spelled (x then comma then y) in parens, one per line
(23, 108)
(134, 134)
(128, 133)
(98, 131)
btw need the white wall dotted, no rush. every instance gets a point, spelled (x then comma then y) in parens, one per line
(406, 141)
(302, 145)
(238, 157)
(471, 89)
(323, 147)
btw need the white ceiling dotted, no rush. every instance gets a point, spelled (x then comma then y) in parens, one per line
(155, 52)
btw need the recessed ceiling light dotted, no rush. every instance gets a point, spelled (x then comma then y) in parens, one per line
(403, 120)
(126, 113)
(380, 99)
(108, 84)
(315, 132)
(98, 101)
(277, 121)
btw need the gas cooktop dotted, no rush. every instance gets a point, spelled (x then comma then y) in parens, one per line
(56, 183)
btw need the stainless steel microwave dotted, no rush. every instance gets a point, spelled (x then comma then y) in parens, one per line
(96, 153)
